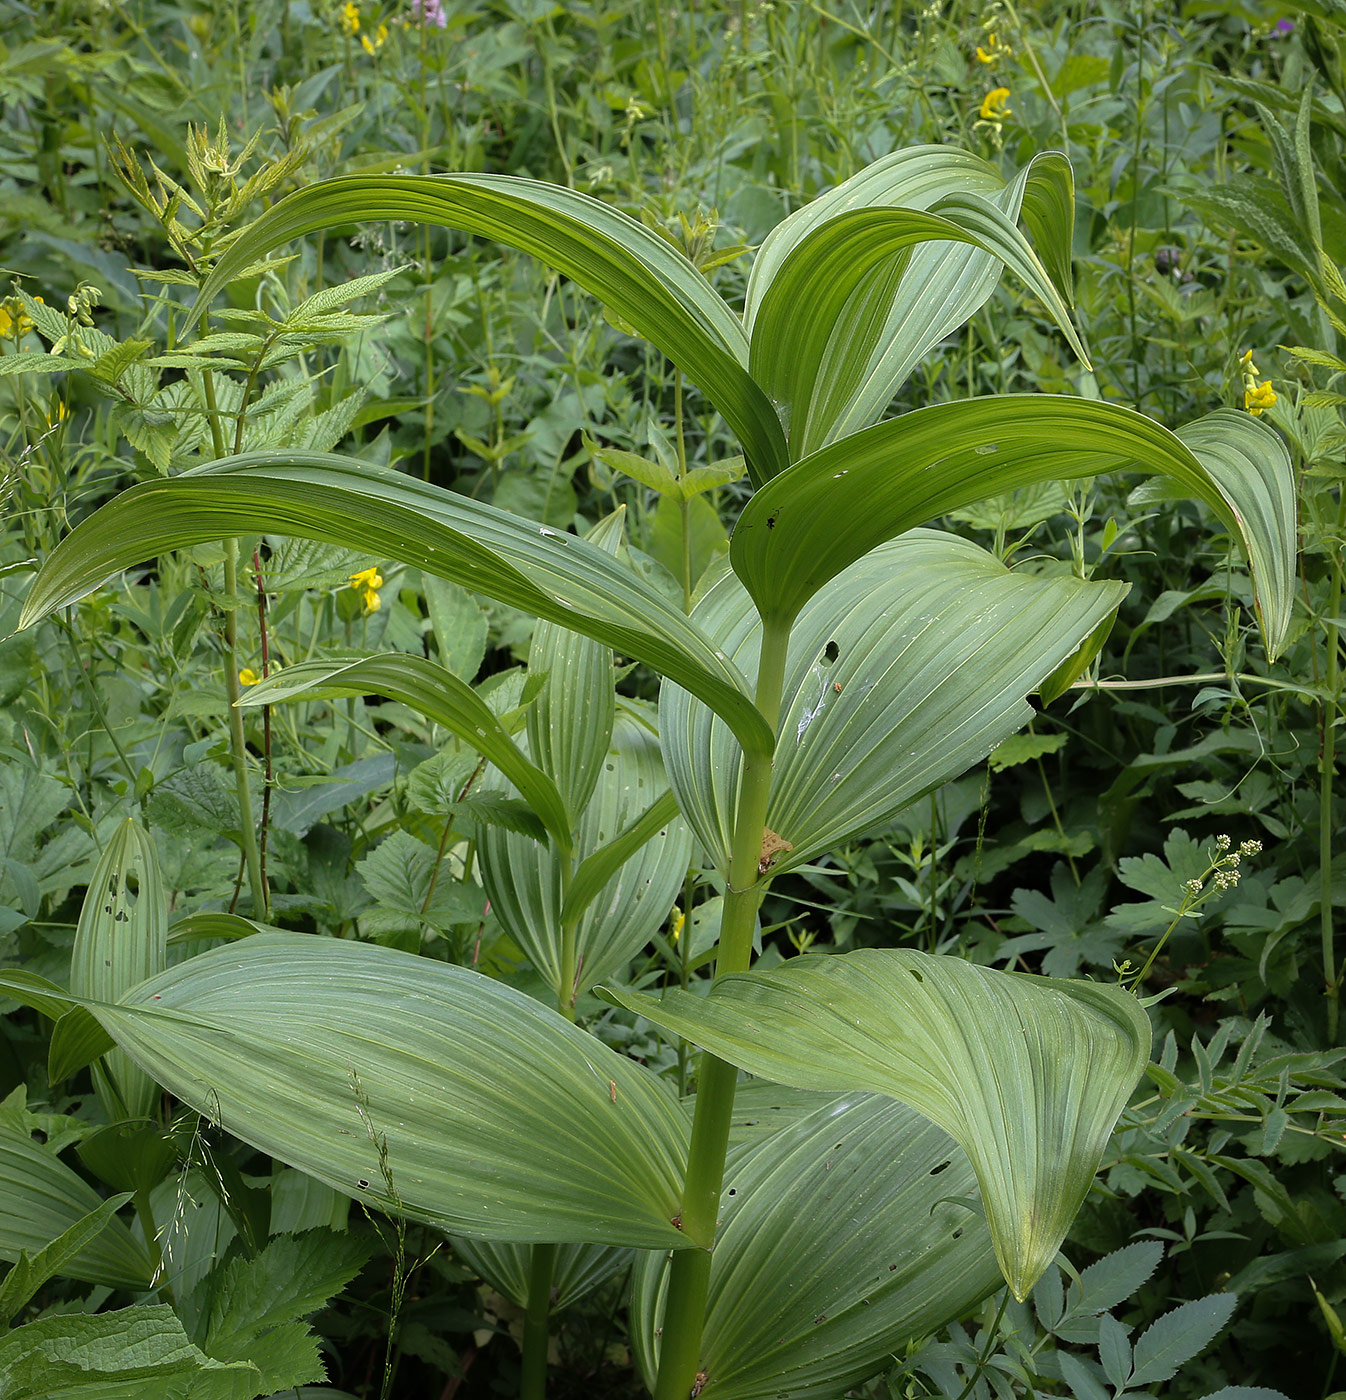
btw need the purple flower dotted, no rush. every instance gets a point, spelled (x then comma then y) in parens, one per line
(1282, 26)
(429, 12)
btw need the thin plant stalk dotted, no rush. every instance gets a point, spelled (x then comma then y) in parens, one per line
(689, 1271)
(238, 752)
(1326, 775)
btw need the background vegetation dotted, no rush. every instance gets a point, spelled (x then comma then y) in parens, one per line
(1205, 141)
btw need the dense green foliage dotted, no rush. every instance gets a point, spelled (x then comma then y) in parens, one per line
(1171, 810)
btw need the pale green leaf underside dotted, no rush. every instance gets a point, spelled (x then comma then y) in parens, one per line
(640, 275)
(438, 695)
(500, 1118)
(833, 507)
(1027, 1074)
(935, 644)
(578, 1270)
(391, 516)
(883, 1207)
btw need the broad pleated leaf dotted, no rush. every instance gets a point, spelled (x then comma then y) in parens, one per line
(122, 939)
(570, 722)
(838, 504)
(525, 886)
(579, 1268)
(31, 1271)
(492, 1114)
(318, 496)
(903, 309)
(41, 1198)
(435, 693)
(640, 275)
(843, 1236)
(1027, 1074)
(905, 670)
(809, 365)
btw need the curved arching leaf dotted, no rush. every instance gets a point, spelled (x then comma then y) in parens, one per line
(318, 496)
(809, 365)
(437, 694)
(1027, 1074)
(491, 1114)
(41, 1198)
(843, 1236)
(825, 512)
(641, 276)
(902, 672)
(904, 308)
(616, 919)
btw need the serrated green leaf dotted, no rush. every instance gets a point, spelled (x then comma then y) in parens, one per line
(1178, 1336)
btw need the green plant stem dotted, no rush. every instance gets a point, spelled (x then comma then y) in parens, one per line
(252, 857)
(689, 1272)
(1326, 775)
(533, 1382)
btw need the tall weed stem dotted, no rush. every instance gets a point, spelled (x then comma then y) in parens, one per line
(689, 1272)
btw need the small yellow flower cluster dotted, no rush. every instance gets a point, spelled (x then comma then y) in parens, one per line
(349, 18)
(993, 51)
(372, 46)
(368, 581)
(247, 676)
(1257, 398)
(14, 320)
(995, 105)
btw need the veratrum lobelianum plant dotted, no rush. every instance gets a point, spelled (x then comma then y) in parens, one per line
(841, 663)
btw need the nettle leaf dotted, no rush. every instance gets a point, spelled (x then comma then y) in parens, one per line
(254, 1307)
(1027, 1074)
(881, 1204)
(902, 672)
(400, 877)
(137, 1351)
(350, 1061)
(1178, 1336)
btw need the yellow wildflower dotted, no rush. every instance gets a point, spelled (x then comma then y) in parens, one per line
(367, 578)
(371, 601)
(995, 105)
(993, 51)
(1257, 400)
(1257, 397)
(247, 676)
(372, 46)
(678, 922)
(14, 320)
(349, 19)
